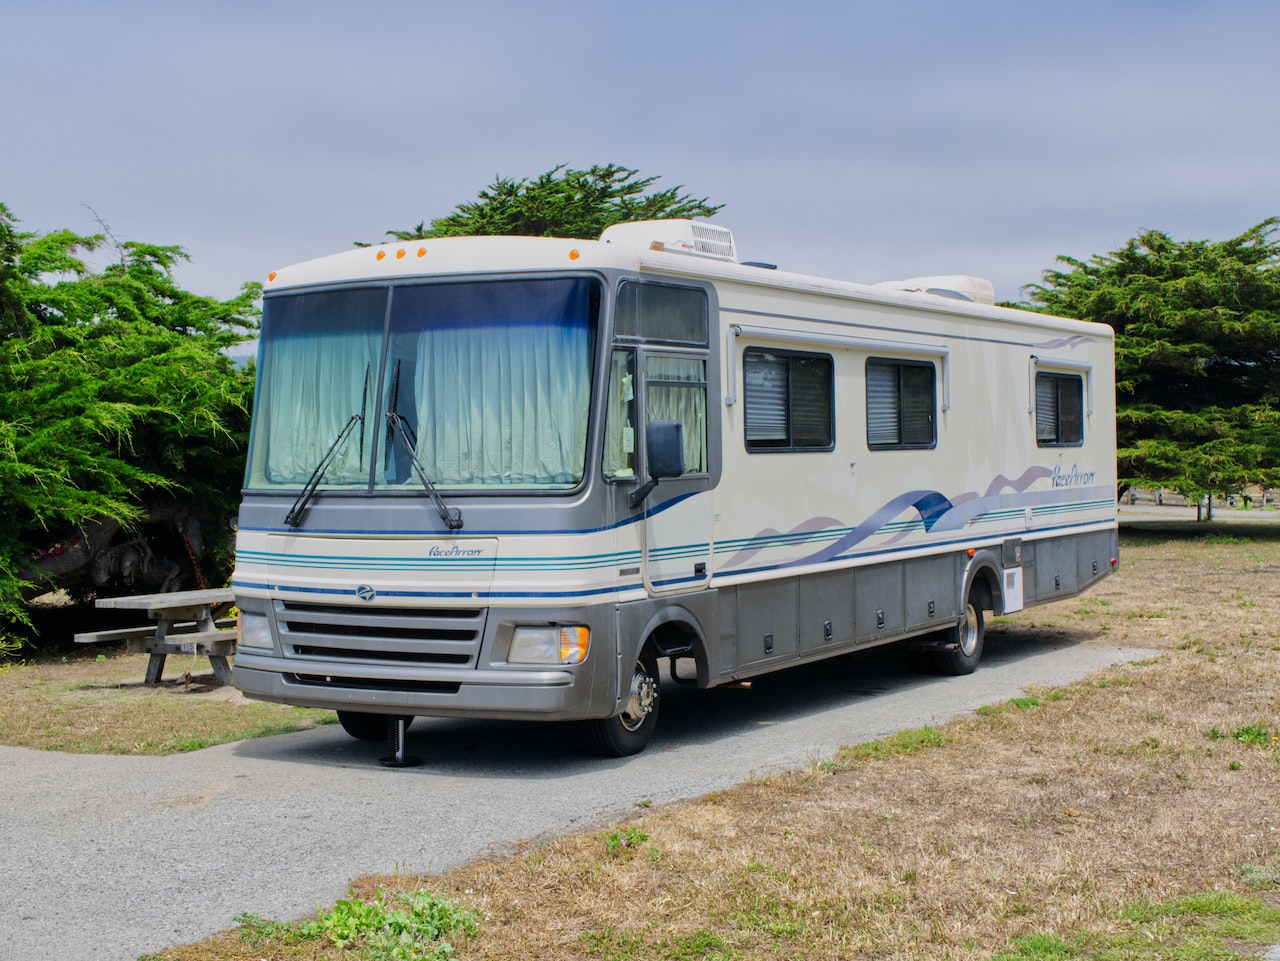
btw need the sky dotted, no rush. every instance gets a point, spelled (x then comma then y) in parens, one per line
(852, 140)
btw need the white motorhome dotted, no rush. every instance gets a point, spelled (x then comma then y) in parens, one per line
(505, 477)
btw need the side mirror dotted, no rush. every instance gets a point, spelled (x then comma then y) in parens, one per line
(664, 455)
(664, 448)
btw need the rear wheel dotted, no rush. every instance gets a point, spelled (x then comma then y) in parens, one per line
(631, 731)
(369, 727)
(967, 637)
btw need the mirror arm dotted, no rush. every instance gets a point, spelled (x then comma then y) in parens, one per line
(640, 493)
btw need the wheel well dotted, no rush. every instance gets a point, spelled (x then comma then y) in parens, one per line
(676, 639)
(987, 588)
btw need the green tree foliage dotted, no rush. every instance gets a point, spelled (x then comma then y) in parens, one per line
(562, 203)
(1197, 354)
(116, 396)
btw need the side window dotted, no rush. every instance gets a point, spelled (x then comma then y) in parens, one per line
(675, 388)
(787, 400)
(620, 417)
(1059, 410)
(901, 404)
(675, 315)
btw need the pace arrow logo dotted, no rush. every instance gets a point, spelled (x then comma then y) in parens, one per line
(365, 592)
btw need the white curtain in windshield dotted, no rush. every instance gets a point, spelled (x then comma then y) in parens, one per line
(501, 380)
(320, 370)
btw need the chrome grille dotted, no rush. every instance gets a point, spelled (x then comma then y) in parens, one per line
(420, 636)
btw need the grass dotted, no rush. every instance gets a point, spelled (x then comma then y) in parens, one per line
(95, 703)
(1131, 815)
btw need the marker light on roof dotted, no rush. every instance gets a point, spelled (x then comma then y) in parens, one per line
(400, 254)
(381, 254)
(271, 276)
(574, 255)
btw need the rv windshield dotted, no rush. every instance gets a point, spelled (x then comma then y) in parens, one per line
(491, 382)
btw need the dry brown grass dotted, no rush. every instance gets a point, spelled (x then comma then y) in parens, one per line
(1049, 814)
(95, 703)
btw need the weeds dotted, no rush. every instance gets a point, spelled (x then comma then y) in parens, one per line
(1253, 734)
(395, 927)
(629, 839)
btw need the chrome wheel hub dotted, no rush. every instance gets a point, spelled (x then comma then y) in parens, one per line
(969, 631)
(642, 699)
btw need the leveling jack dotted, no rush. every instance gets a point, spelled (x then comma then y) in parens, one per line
(395, 743)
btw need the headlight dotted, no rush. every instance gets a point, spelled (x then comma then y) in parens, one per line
(549, 645)
(255, 631)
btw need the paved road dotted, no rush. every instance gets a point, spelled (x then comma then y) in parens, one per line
(104, 858)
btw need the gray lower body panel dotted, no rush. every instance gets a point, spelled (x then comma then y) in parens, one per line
(436, 662)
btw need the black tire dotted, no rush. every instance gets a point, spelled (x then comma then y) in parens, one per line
(919, 660)
(631, 731)
(967, 636)
(369, 727)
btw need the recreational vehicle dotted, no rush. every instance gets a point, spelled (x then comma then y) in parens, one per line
(507, 477)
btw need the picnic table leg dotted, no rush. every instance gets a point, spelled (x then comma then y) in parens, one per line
(155, 667)
(205, 624)
(221, 669)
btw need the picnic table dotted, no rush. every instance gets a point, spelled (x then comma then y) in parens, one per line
(186, 622)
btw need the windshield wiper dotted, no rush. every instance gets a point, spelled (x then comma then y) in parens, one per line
(451, 516)
(294, 517)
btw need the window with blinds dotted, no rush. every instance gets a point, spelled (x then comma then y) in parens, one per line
(787, 400)
(1059, 410)
(901, 401)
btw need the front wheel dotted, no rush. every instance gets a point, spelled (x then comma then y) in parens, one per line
(369, 727)
(967, 636)
(631, 731)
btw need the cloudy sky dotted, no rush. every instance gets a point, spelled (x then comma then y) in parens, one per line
(865, 141)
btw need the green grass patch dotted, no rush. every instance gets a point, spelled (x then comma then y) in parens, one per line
(1204, 927)
(98, 704)
(904, 742)
(1013, 704)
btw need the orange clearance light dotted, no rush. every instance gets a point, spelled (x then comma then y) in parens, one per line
(271, 276)
(399, 255)
(971, 552)
(574, 255)
(381, 254)
(422, 251)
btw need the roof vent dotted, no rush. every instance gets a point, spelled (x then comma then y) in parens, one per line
(955, 286)
(675, 236)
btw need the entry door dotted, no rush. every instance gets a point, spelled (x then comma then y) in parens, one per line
(676, 539)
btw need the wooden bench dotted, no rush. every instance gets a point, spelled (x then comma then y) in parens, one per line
(186, 622)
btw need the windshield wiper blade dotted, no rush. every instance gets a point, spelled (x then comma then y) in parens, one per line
(294, 517)
(451, 516)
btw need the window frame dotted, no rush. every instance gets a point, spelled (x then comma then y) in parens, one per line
(789, 404)
(901, 363)
(641, 337)
(1059, 377)
(647, 384)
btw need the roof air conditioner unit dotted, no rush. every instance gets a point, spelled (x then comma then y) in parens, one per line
(675, 236)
